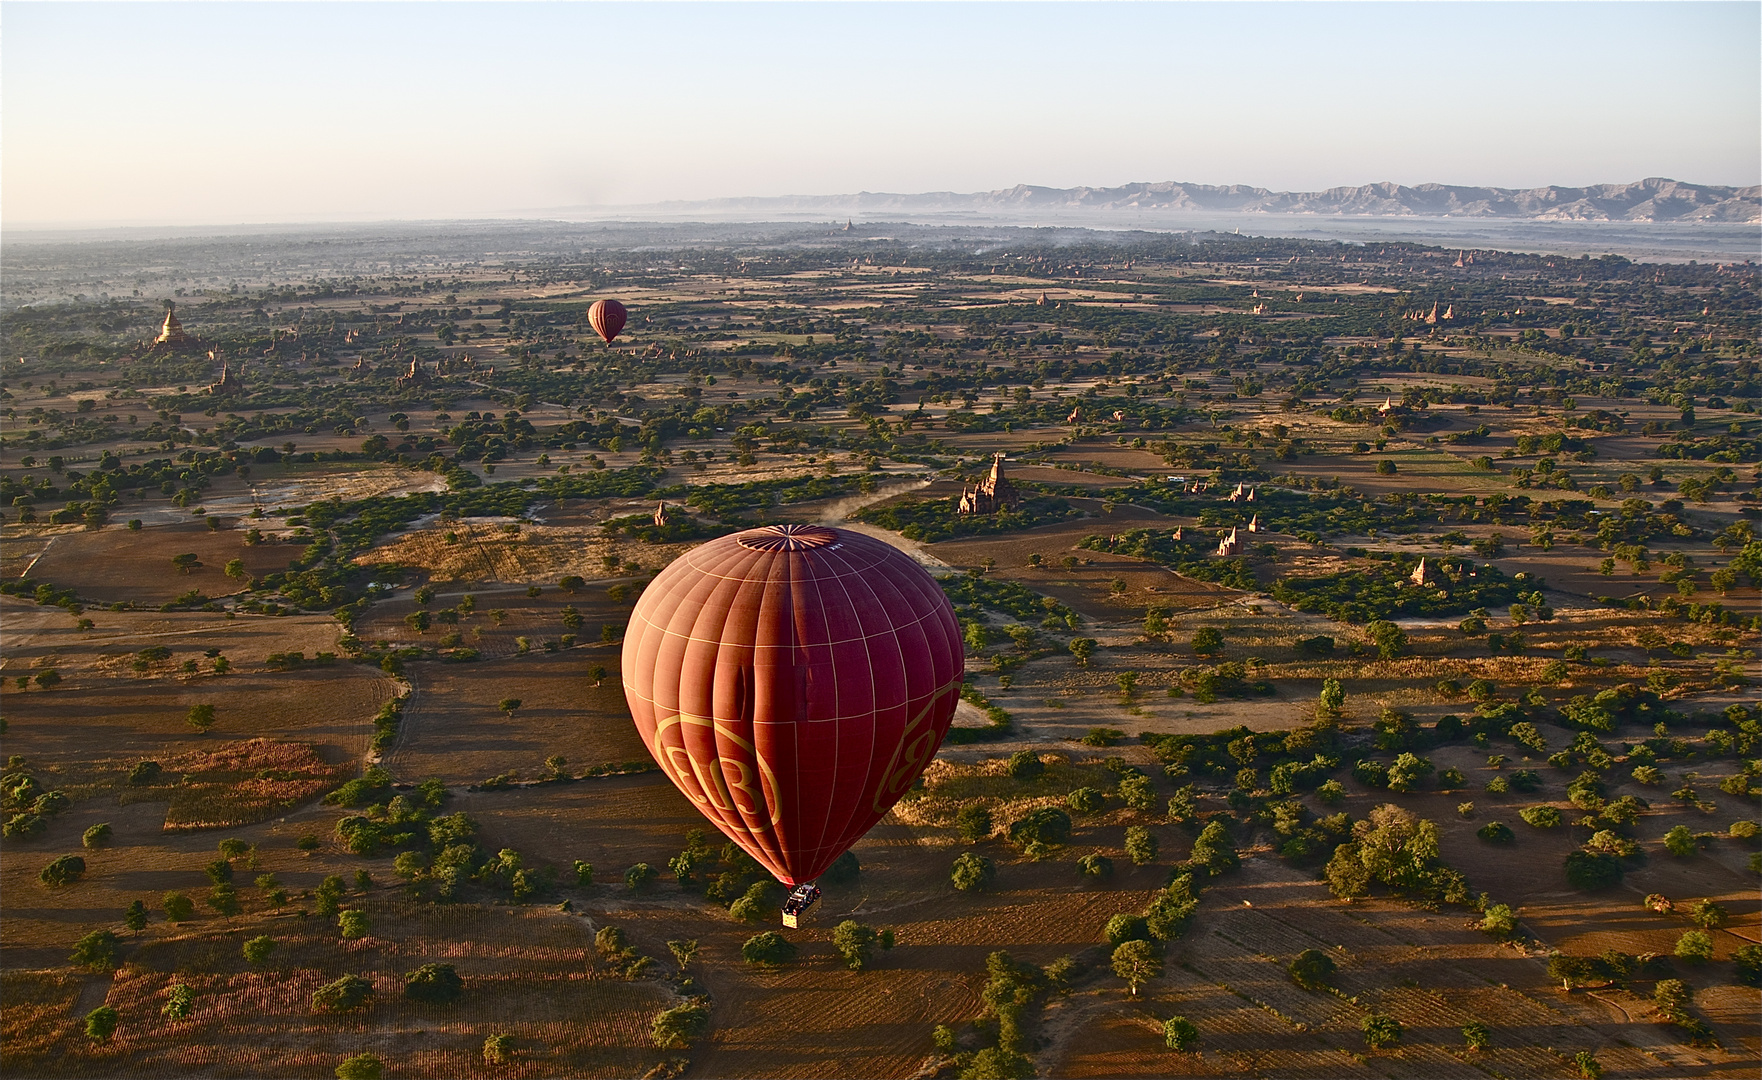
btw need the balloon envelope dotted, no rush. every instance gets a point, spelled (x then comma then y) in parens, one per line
(607, 317)
(793, 681)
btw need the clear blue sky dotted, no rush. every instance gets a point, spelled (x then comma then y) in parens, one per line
(218, 113)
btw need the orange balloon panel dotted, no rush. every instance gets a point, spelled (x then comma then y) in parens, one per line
(607, 318)
(793, 681)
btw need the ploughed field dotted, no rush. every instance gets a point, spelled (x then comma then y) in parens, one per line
(532, 970)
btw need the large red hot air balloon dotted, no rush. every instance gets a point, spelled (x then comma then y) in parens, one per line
(793, 681)
(607, 318)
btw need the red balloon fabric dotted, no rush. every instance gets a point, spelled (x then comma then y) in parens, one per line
(793, 681)
(607, 318)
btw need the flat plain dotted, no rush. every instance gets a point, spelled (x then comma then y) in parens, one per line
(346, 639)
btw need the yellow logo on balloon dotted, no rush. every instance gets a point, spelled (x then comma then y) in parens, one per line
(727, 785)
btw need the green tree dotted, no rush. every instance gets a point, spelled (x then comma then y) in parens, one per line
(259, 949)
(95, 952)
(342, 995)
(1214, 850)
(96, 837)
(1680, 841)
(200, 717)
(180, 1001)
(1095, 865)
(682, 952)
(1085, 800)
(1312, 969)
(855, 943)
(1141, 845)
(1083, 649)
(101, 1023)
(224, 899)
(1708, 915)
(680, 1026)
(1026, 765)
(1333, 697)
(1477, 1036)
(178, 907)
(1137, 963)
(1695, 947)
(498, 1049)
(361, 1067)
(1208, 641)
(1179, 1034)
(353, 924)
(974, 822)
(135, 918)
(62, 870)
(434, 984)
(767, 949)
(1381, 1031)
(1156, 624)
(972, 872)
(508, 705)
(1390, 640)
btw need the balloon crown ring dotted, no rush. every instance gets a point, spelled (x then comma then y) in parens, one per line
(787, 538)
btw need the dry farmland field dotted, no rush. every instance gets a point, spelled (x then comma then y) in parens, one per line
(316, 743)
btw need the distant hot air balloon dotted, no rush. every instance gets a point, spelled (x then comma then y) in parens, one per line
(793, 681)
(607, 318)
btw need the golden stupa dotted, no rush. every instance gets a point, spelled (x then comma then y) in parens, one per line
(172, 333)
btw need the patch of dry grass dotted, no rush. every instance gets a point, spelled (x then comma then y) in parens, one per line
(246, 782)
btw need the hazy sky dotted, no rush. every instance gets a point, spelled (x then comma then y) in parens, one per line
(223, 113)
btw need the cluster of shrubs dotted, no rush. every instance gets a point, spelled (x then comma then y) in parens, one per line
(28, 807)
(993, 1043)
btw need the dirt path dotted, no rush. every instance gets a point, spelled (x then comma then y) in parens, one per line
(839, 513)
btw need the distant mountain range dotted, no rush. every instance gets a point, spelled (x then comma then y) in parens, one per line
(1652, 200)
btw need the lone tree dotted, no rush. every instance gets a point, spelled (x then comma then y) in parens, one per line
(677, 1028)
(95, 952)
(855, 943)
(498, 1049)
(682, 952)
(186, 562)
(1312, 969)
(768, 949)
(63, 870)
(1208, 641)
(178, 907)
(508, 705)
(434, 984)
(1180, 1034)
(1137, 963)
(1082, 648)
(1381, 1031)
(361, 1067)
(1141, 846)
(972, 872)
(342, 995)
(974, 822)
(259, 949)
(101, 1023)
(201, 718)
(1026, 765)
